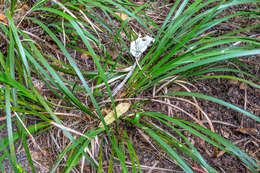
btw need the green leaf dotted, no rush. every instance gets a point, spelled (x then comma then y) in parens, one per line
(202, 96)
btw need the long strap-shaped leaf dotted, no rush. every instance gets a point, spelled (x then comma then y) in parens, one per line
(81, 77)
(186, 125)
(193, 65)
(169, 150)
(7, 79)
(213, 99)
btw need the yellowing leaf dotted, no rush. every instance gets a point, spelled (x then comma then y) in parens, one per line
(123, 16)
(120, 110)
(3, 18)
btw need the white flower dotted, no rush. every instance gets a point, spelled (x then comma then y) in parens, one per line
(140, 45)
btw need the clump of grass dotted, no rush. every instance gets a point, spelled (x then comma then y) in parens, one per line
(184, 49)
